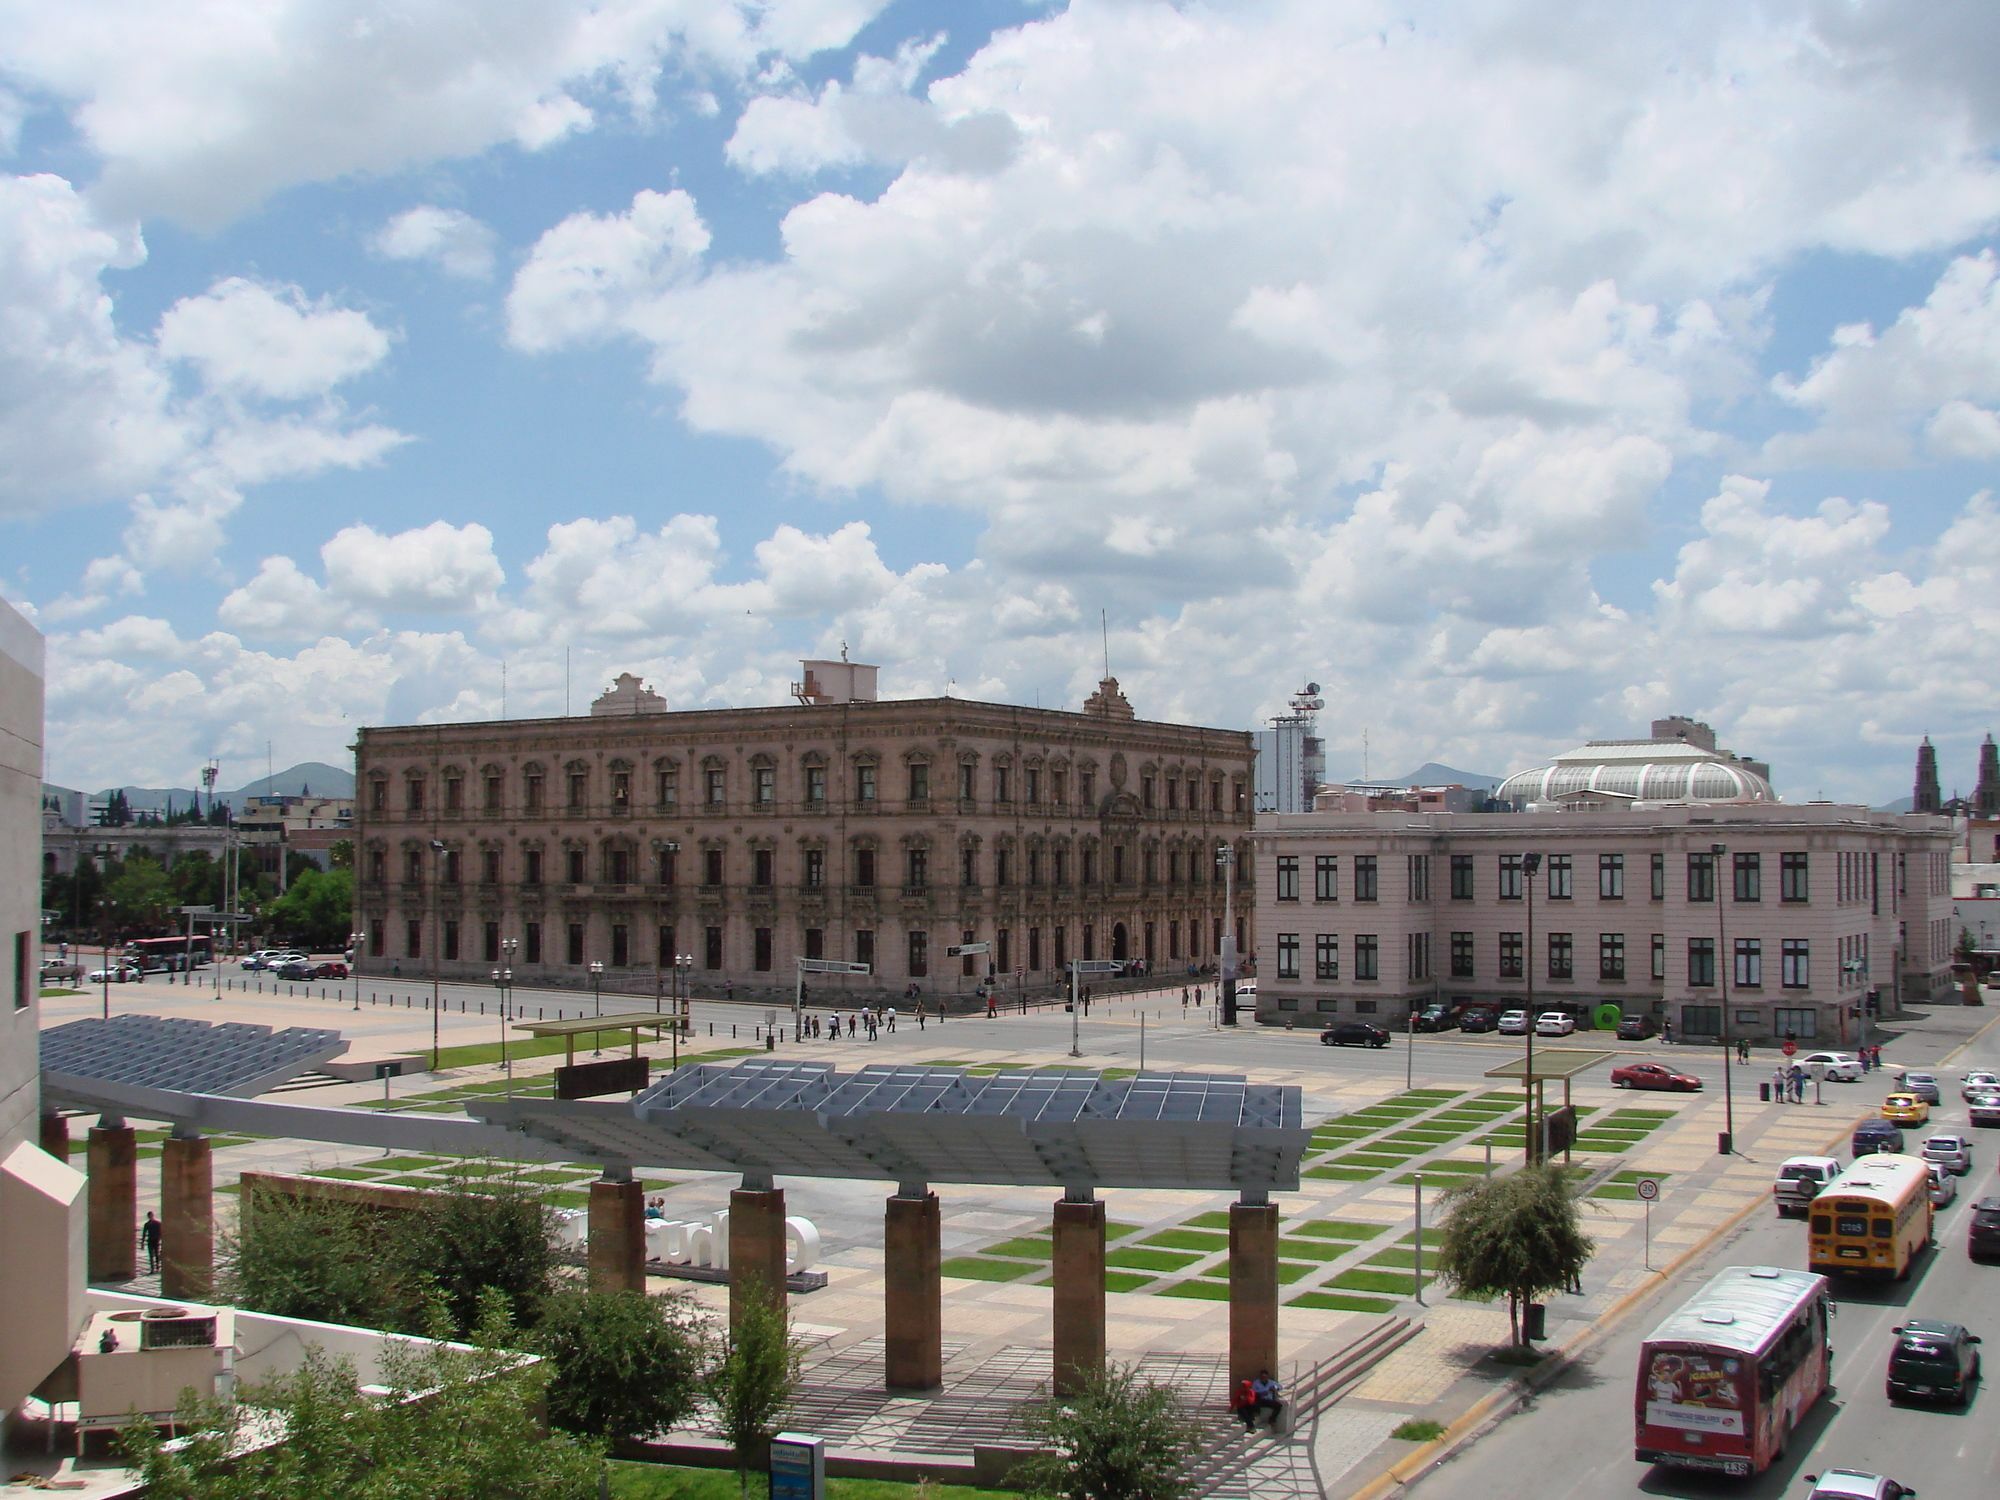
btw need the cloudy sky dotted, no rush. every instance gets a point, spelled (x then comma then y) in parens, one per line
(1517, 371)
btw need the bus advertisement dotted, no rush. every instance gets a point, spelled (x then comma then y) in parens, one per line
(169, 955)
(1871, 1220)
(1725, 1379)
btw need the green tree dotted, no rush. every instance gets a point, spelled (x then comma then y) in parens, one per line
(317, 1259)
(317, 910)
(1119, 1438)
(342, 854)
(142, 894)
(457, 1424)
(482, 1232)
(626, 1364)
(753, 1381)
(1519, 1235)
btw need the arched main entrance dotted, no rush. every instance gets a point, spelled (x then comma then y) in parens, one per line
(1121, 948)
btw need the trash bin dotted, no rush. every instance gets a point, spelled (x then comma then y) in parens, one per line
(770, 1041)
(1535, 1321)
(1764, 1093)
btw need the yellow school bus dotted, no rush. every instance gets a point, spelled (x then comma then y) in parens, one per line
(1872, 1219)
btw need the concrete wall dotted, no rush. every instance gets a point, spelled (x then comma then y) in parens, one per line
(42, 1230)
(20, 877)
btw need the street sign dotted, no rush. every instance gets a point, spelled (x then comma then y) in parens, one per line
(1790, 1047)
(831, 966)
(1649, 1189)
(197, 911)
(1095, 966)
(967, 950)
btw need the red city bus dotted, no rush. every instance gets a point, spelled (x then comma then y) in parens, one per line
(1724, 1381)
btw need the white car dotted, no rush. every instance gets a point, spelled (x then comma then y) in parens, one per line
(1513, 1023)
(1984, 1109)
(1553, 1023)
(116, 974)
(1852, 1484)
(1837, 1067)
(1952, 1152)
(1944, 1186)
(1979, 1081)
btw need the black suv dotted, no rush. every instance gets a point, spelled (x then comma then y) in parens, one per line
(1354, 1034)
(1982, 1237)
(1871, 1136)
(1935, 1360)
(1637, 1028)
(1436, 1018)
(1478, 1020)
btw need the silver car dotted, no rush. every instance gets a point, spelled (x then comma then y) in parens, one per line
(1984, 1109)
(1951, 1152)
(1923, 1085)
(1979, 1081)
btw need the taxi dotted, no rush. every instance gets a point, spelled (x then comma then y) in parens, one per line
(1905, 1109)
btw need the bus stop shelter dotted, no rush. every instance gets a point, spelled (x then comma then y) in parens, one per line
(1548, 1132)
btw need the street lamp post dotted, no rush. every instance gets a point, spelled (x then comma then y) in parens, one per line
(503, 980)
(1531, 866)
(1726, 1142)
(437, 944)
(1225, 856)
(683, 970)
(508, 948)
(597, 994)
(1417, 1178)
(354, 942)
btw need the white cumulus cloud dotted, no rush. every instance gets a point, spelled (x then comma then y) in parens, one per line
(449, 238)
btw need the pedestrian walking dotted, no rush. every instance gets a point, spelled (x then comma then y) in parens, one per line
(1778, 1082)
(149, 1240)
(892, 1020)
(853, 1025)
(1184, 997)
(1743, 1049)
(920, 1015)
(992, 1007)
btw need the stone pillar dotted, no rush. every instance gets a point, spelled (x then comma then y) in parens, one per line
(912, 1294)
(113, 1161)
(1078, 1264)
(756, 1244)
(616, 1233)
(55, 1134)
(187, 1217)
(1253, 1289)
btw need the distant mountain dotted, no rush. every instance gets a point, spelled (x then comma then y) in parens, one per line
(317, 776)
(1900, 805)
(1430, 773)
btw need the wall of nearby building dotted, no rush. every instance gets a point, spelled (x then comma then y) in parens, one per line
(21, 671)
(1874, 900)
(1051, 835)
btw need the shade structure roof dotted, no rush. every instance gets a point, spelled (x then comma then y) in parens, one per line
(1055, 1127)
(1550, 1062)
(1641, 771)
(234, 1060)
(634, 1020)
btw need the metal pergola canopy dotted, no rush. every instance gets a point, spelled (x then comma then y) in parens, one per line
(1551, 1062)
(233, 1060)
(641, 1020)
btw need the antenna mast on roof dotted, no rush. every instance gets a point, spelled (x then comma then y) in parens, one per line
(1104, 622)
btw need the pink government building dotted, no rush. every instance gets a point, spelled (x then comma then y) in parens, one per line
(1670, 881)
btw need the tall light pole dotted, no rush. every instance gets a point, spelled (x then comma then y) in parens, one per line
(683, 969)
(508, 948)
(597, 991)
(1225, 856)
(437, 943)
(1726, 1142)
(1531, 866)
(354, 942)
(502, 979)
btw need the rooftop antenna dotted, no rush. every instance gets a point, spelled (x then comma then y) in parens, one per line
(1104, 623)
(843, 651)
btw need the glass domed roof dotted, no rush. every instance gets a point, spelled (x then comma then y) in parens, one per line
(1639, 771)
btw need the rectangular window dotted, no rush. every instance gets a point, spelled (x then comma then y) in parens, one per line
(920, 781)
(816, 786)
(1326, 877)
(917, 868)
(1749, 969)
(1510, 877)
(531, 867)
(668, 954)
(815, 942)
(531, 942)
(1366, 881)
(1146, 786)
(920, 954)
(764, 785)
(1659, 863)
(667, 786)
(1701, 1020)
(1288, 955)
(1003, 866)
(378, 797)
(711, 867)
(621, 790)
(489, 867)
(1562, 956)
(1794, 878)
(1417, 958)
(1002, 789)
(1701, 962)
(22, 994)
(864, 867)
(967, 772)
(763, 867)
(576, 782)
(1461, 955)
(1086, 785)
(413, 939)
(1800, 1022)
(1749, 877)
(1561, 878)
(1701, 877)
(621, 945)
(1367, 956)
(1659, 955)
(968, 867)
(1089, 863)
(864, 783)
(1510, 955)
(531, 791)
(715, 786)
(815, 869)
(1058, 787)
(1611, 955)
(1611, 877)
(1795, 961)
(574, 861)
(760, 959)
(451, 867)
(1288, 877)
(454, 794)
(1461, 877)
(1419, 873)
(575, 955)
(1326, 955)
(1032, 786)
(711, 947)
(618, 866)
(413, 794)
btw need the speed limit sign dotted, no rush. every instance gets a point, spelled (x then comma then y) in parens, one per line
(1649, 1188)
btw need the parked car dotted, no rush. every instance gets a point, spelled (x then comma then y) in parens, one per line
(1979, 1081)
(1478, 1020)
(1354, 1034)
(57, 971)
(293, 969)
(1513, 1023)
(1923, 1085)
(332, 968)
(1984, 1109)
(1651, 1075)
(1852, 1484)
(1800, 1180)
(1933, 1359)
(116, 974)
(1944, 1186)
(1554, 1023)
(1952, 1152)
(1906, 1109)
(1637, 1028)
(1982, 1235)
(1871, 1136)
(1436, 1018)
(1836, 1067)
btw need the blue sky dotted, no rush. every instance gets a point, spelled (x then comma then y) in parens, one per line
(1518, 375)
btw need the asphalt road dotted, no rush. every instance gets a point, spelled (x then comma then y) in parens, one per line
(1575, 1441)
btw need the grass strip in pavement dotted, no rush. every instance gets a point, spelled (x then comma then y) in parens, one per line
(1211, 1291)
(979, 1268)
(565, 1198)
(1396, 1256)
(1213, 1219)
(1431, 1096)
(1396, 1283)
(412, 1180)
(1205, 1240)
(1288, 1271)
(1135, 1259)
(1341, 1174)
(1438, 1169)
(408, 1163)
(1339, 1229)
(1341, 1302)
(345, 1174)
(1634, 1174)
(1028, 1247)
(555, 1176)
(1313, 1249)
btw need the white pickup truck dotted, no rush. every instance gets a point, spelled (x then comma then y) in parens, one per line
(1800, 1180)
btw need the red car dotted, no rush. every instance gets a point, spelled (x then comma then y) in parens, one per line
(332, 969)
(1649, 1075)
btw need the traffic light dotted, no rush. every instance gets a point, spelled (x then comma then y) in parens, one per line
(1874, 1002)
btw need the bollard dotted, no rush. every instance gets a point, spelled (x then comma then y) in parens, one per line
(1764, 1093)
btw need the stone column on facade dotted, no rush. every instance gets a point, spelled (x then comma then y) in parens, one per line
(1253, 1287)
(1078, 1265)
(756, 1244)
(912, 1293)
(616, 1233)
(55, 1134)
(187, 1215)
(114, 1200)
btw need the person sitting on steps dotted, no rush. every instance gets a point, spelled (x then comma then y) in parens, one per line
(1267, 1396)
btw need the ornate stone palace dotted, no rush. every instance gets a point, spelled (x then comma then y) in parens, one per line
(836, 827)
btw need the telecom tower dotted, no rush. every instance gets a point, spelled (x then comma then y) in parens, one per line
(1291, 757)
